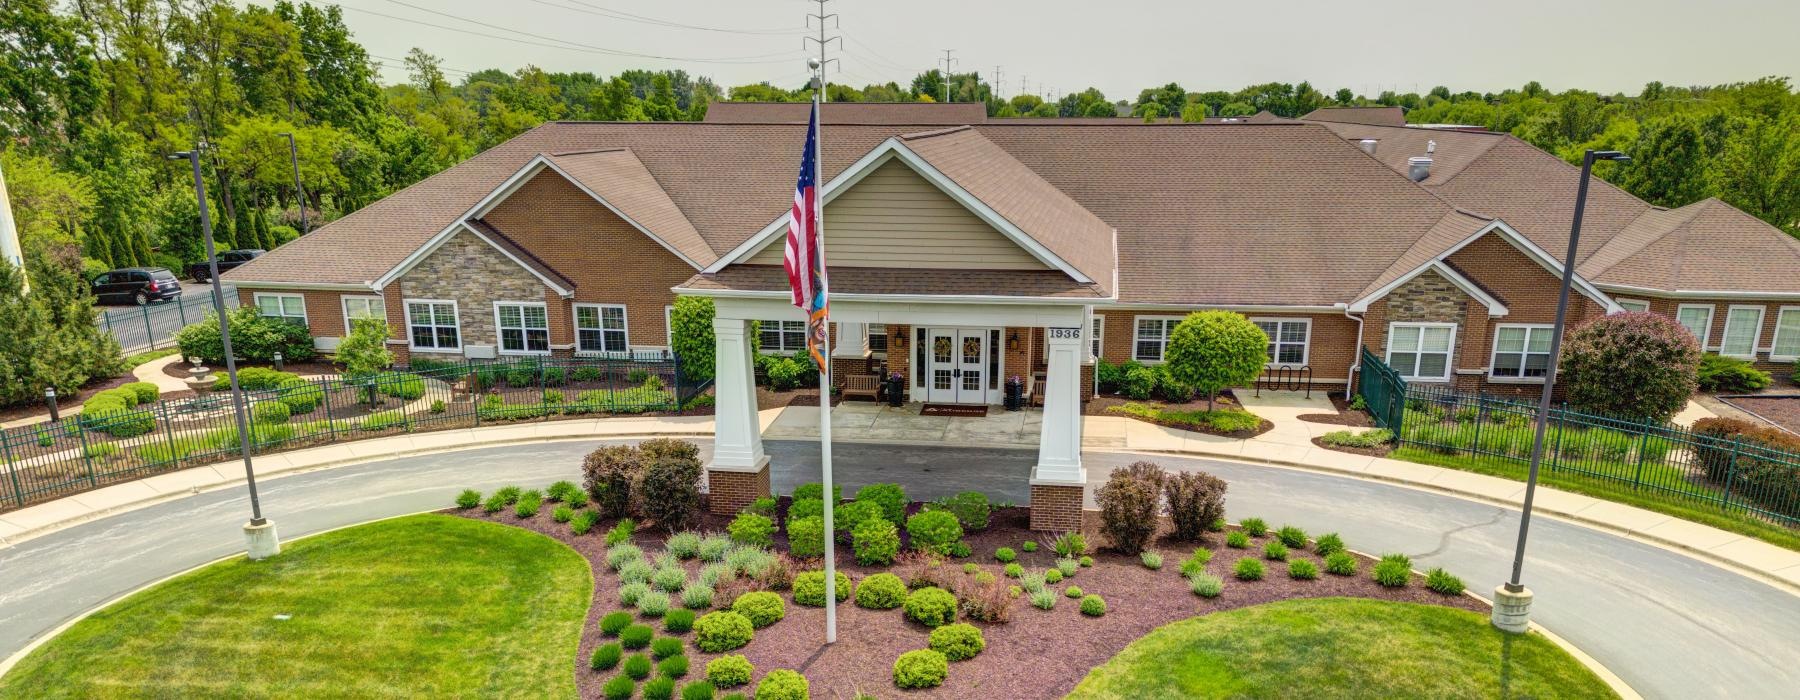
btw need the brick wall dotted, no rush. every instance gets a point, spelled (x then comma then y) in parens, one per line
(1056, 508)
(324, 310)
(1331, 347)
(899, 358)
(728, 492)
(1771, 314)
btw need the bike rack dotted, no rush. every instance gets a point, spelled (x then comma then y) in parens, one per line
(1286, 378)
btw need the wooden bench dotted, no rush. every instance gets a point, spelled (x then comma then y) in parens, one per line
(866, 385)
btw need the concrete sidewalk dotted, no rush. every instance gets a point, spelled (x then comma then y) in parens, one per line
(1283, 447)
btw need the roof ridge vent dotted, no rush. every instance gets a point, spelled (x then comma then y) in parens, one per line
(1368, 145)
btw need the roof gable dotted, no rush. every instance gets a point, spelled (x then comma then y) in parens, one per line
(1439, 263)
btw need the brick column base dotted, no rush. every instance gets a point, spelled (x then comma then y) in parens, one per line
(730, 491)
(1056, 507)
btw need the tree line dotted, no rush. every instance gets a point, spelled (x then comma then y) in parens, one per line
(94, 94)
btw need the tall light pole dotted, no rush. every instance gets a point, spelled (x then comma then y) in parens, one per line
(259, 533)
(299, 190)
(1512, 601)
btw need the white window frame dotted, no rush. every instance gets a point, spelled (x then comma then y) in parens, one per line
(781, 332)
(500, 330)
(600, 309)
(1096, 331)
(376, 303)
(455, 315)
(1169, 323)
(1449, 354)
(1524, 354)
(668, 327)
(1775, 343)
(870, 332)
(1711, 314)
(1762, 313)
(1305, 345)
(1626, 304)
(259, 296)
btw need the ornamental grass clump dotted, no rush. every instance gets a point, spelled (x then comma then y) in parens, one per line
(638, 666)
(678, 621)
(1196, 562)
(660, 688)
(1044, 599)
(1206, 585)
(1303, 570)
(1129, 505)
(713, 548)
(665, 647)
(1033, 581)
(583, 522)
(919, 668)
(698, 690)
(614, 622)
(621, 532)
(1393, 571)
(618, 688)
(1254, 527)
(636, 636)
(1340, 564)
(631, 592)
(669, 578)
(1151, 560)
(1274, 550)
(606, 656)
(1328, 544)
(563, 513)
(1292, 537)
(1069, 545)
(469, 498)
(653, 604)
(672, 666)
(684, 545)
(696, 596)
(1441, 581)
(1248, 569)
(618, 556)
(1069, 567)
(637, 571)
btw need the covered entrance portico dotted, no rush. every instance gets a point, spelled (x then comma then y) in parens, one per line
(962, 361)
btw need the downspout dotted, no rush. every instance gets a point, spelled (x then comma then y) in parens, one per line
(1355, 364)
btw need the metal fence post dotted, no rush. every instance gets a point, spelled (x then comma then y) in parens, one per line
(11, 468)
(86, 459)
(169, 432)
(1480, 417)
(330, 420)
(1731, 471)
(181, 308)
(1643, 450)
(107, 317)
(148, 331)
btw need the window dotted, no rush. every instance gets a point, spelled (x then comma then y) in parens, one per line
(1521, 352)
(287, 307)
(782, 336)
(524, 327)
(1152, 337)
(1096, 325)
(432, 325)
(878, 339)
(1743, 328)
(1421, 350)
(600, 328)
(1697, 318)
(362, 307)
(669, 327)
(1787, 334)
(1287, 339)
(1633, 304)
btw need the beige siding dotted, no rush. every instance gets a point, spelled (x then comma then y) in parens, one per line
(896, 218)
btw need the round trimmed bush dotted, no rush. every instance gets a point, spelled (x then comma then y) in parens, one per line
(729, 671)
(934, 531)
(1005, 555)
(921, 668)
(809, 588)
(883, 591)
(614, 622)
(638, 666)
(1652, 354)
(636, 636)
(722, 631)
(1073, 591)
(1093, 605)
(806, 536)
(846, 517)
(269, 412)
(876, 542)
(1053, 576)
(761, 608)
(660, 689)
(619, 688)
(890, 497)
(931, 606)
(606, 656)
(783, 684)
(752, 529)
(1013, 570)
(957, 641)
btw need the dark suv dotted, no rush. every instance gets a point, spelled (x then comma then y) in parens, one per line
(201, 272)
(136, 285)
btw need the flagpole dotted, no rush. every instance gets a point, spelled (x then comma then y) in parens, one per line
(824, 369)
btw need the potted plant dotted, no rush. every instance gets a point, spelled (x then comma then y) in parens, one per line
(896, 389)
(1015, 393)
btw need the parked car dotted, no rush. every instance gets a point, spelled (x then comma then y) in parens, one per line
(201, 272)
(136, 285)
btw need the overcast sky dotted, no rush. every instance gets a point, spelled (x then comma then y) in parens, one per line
(1121, 46)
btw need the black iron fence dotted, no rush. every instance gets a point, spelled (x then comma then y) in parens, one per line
(153, 325)
(81, 452)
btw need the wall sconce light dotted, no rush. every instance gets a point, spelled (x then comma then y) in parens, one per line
(1012, 341)
(898, 340)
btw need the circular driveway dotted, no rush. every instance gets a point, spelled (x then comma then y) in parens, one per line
(1669, 625)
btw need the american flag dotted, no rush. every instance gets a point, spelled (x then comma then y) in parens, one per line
(805, 253)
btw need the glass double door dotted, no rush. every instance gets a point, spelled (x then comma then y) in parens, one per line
(957, 367)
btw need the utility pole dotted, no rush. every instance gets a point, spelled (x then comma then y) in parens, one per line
(821, 17)
(996, 82)
(948, 62)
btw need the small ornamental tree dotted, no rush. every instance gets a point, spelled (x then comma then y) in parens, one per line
(1630, 365)
(364, 353)
(1214, 350)
(691, 336)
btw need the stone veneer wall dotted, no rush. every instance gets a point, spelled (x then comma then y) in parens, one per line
(1427, 298)
(475, 275)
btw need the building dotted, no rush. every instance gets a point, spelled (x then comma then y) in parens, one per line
(964, 253)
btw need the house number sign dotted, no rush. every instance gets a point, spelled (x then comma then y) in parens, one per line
(1064, 333)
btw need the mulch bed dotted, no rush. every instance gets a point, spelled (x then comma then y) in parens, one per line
(1364, 451)
(64, 402)
(1783, 412)
(1038, 654)
(1103, 405)
(1345, 415)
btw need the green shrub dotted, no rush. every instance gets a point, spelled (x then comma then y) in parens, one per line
(1093, 605)
(883, 591)
(469, 498)
(1254, 527)
(1073, 591)
(1014, 570)
(1051, 576)
(1730, 375)
(697, 596)
(729, 671)
(713, 548)
(1328, 544)
(934, 531)
(376, 422)
(636, 571)
(665, 647)
(1044, 599)
(1274, 550)
(1151, 560)
(662, 688)
(1340, 564)
(638, 666)
(1367, 439)
(1029, 546)
(1195, 499)
(1393, 570)
(765, 506)
(1032, 582)
(698, 690)
(621, 532)
(673, 666)
(930, 607)
(669, 578)
(584, 521)
(269, 412)
(921, 668)
(254, 337)
(1069, 545)
(806, 536)
(618, 688)
(971, 508)
(958, 641)
(721, 631)
(783, 684)
(301, 396)
(1236, 539)
(875, 542)
(1441, 581)
(761, 608)
(1068, 567)
(605, 657)
(816, 490)
(636, 636)
(891, 498)
(1248, 569)
(1206, 585)
(1303, 570)
(528, 504)
(143, 392)
(1005, 554)
(1293, 537)
(678, 620)
(562, 514)
(615, 622)
(1128, 505)
(1196, 562)
(752, 529)
(806, 508)
(846, 517)
(653, 604)
(809, 588)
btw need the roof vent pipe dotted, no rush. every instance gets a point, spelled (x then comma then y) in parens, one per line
(1418, 168)
(1367, 145)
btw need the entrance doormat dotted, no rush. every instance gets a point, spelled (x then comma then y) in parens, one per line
(953, 410)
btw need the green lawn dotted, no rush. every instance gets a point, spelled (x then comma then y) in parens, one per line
(1666, 503)
(1221, 420)
(420, 606)
(1340, 647)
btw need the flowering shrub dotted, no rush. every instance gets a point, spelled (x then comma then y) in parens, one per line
(1652, 354)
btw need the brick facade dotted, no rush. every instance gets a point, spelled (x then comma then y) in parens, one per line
(729, 492)
(1765, 339)
(1056, 507)
(324, 309)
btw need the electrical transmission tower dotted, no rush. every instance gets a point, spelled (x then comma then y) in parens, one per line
(806, 42)
(948, 63)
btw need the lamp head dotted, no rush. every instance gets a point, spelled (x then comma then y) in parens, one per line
(812, 63)
(1614, 156)
(180, 155)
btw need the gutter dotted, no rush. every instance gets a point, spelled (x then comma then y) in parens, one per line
(1356, 364)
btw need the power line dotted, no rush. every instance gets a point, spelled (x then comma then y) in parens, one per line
(996, 82)
(823, 42)
(592, 9)
(877, 55)
(948, 62)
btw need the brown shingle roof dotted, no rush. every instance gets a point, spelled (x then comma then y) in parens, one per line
(1382, 116)
(1454, 228)
(1704, 246)
(519, 252)
(867, 113)
(882, 280)
(619, 178)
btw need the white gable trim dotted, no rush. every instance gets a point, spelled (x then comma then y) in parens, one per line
(889, 150)
(463, 226)
(1518, 241)
(1494, 306)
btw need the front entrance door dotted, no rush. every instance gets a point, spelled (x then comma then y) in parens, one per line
(957, 371)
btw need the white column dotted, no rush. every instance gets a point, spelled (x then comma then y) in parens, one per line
(1059, 442)
(852, 340)
(737, 437)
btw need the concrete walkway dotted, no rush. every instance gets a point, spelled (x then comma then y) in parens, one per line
(152, 372)
(878, 422)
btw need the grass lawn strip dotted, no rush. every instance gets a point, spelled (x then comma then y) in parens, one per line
(417, 606)
(1355, 647)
